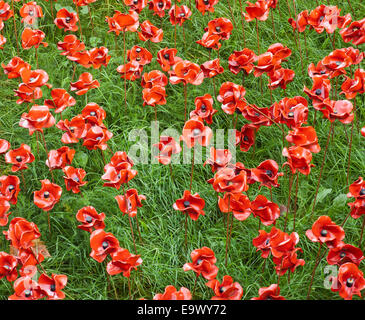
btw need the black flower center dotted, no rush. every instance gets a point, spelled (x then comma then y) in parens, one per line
(27, 293)
(182, 14)
(53, 287)
(245, 138)
(138, 58)
(321, 18)
(105, 244)
(238, 111)
(93, 113)
(350, 282)
(291, 114)
(68, 19)
(76, 179)
(203, 108)
(362, 192)
(318, 92)
(88, 219)
(343, 254)
(269, 173)
(199, 261)
(338, 63)
(166, 56)
(324, 233)
(323, 72)
(186, 204)
(206, 2)
(218, 29)
(135, 2)
(138, 50)
(18, 158)
(196, 132)
(160, 4)
(221, 289)
(11, 188)
(46, 194)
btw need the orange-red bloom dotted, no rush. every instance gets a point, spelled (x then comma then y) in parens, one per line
(37, 119)
(140, 55)
(129, 202)
(48, 195)
(121, 22)
(203, 263)
(8, 265)
(212, 68)
(299, 158)
(179, 15)
(52, 286)
(61, 100)
(231, 96)
(242, 60)
(259, 10)
(9, 188)
(268, 212)
(227, 290)
(172, 294)
(167, 147)
(159, 7)
(186, 72)
(96, 137)
(102, 244)
(21, 233)
(222, 27)
(305, 137)
(269, 293)
(19, 158)
(123, 262)
(344, 253)
(33, 38)
(90, 219)
(75, 129)
(204, 108)
(66, 20)
(355, 32)
(191, 204)
(74, 178)
(84, 84)
(352, 87)
(237, 203)
(136, 5)
(150, 32)
(227, 180)
(194, 132)
(205, 5)
(14, 67)
(267, 173)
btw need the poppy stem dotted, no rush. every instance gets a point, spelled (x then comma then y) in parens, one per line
(91, 20)
(350, 148)
(314, 270)
(36, 259)
(243, 24)
(228, 216)
(186, 229)
(139, 231)
(344, 221)
(22, 175)
(125, 76)
(49, 223)
(185, 97)
(287, 3)
(36, 56)
(51, 4)
(299, 45)
(171, 172)
(257, 35)
(134, 241)
(305, 45)
(184, 37)
(322, 165)
(289, 196)
(15, 31)
(78, 15)
(362, 231)
(230, 231)
(73, 73)
(214, 90)
(230, 9)
(196, 279)
(273, 23)
(45, 147)
(352, 10)
(295, 200)
(129, 288)
(102, 155)
(175, 22)
(192, 169)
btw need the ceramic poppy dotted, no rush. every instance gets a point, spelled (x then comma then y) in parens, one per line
(74, 178)
(246, 137)
(19, 158)
(268, 212)
(121, 22)
(150, 32)
(299, 159)
(227, 290)
(84, 84)
(167, 58)
(123, 262)
(203, 263)
(159, 6)
(70, 45)
(226, 180)
(26, 289)
(336, 62)
(27, 94)
(33, 38)
(90, 219)
(324, 230)
(205, 5)
(66, 20)
(305, 137)
(99, 57)
(357, 208)
(301, 21)
(231, 96)
(267, 173)
(320, 90)
(262, 242)
(5, 11)
(154, 78)
(178, 15)
(318, 70)
(257, 116)
(282, 243)
(186, 72)
(269, 293)
(96, 138)
(210, 41)
(219, 158)
(102, 244)
(357, 189)
(191, 204)
(242, 60)
(204, 108)
(37, 119)
(237, 203)
(4, 146)
(52, 286)
(8, 265)
(93, 114)
(171, 293)
(9, 188)
(13, 68)
(341, 110)
(352, 87)
(136, 5)
(34, 78)
(129, 202)
(288, 262)
(354, 33)
(4, 211)
(194, 132)
(48, 195)
(344, 253)
(153, 96)
(280, 78)
(167, 147)
(212, 68)
(350, 281)
(258, 10)
(61, 100)
(130, 71)
(75, 128)
(222, 27)
(140, 55)
(2, 41)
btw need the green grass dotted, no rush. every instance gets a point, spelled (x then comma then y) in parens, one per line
(163, 251)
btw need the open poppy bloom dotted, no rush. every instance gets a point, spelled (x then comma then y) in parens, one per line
(8, 265)
(140, 55)
(150, 32)
(301, 21)
(242, 60)
(258, 10)
(129, 202)
(231, 96)
(19, 158)
(186, 72)
(136, 5)
(258, 116)
(13, 68)
(246, 136)
(203, 263)
(154, 96)
(191, 204)
(154, 78)
(37, 119)
(219, 158)
(210, 41)
(282, 243)
(336, 62)
(27, 94)
(4, 211)
(205, 5)
(227, 290)
(33, 38)
(357, 189)
(344, 253)
(130, 71)
(159, 6)
(52, 286)
(61, 100)
(93, 114)
(70, 45)
(268, 212)
(167, 58)
(237, 203)
(26, 289)
(350, 281)
(305, 137)
(99, 57)
(5, 11)
(172, 294)
(318, 70)
(84, 84)
(66, 20)
(34, 78)
(167, 147)
(74, 178)
(320, 90)
(48, 195)
(121, 22)
(269, 293)
(262, 242)
(211, 68)
(352, 87)
(227, 180)
(2, 41)
(75, 129)
(267, 173)
(280, 78)
(204, 108)
(178, 15)
(21, 233)
(9, 188)
(123, 262)
(299, 158)
(324, 230)
(288, 262)
(102, 244)
(118, 171)
(222, 27)
(340, 110)
(90, 219)
(354, 33)
(96, 137)
(4, 146)
(194, 132)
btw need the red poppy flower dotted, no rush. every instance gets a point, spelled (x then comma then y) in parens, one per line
(194, 132)
(27, 94)
(318, 70)
(204, 108)
(301, 21)
(242, 60)
(61, 100)
(324, 230)
(205, 5)
(2, 41)
(357, 208)
(30, 12)
(4, 211)
(96, 138)
(102, 244)
(99, 57)
(262, 242)
(305, 137)
(159, 7)
(48, 195)
(211, 68)
(203, 263)
(247, 137)
(5, 12)
(280, 78)
(167, 146)
(150, 32)
(340, 110)
(75, 129)
(90, 219)
(336, 62)
(231, 96)
(327, 18)
(268, 212)
(19, 158)
(172, 294)
(4, 146)
(221, 27)
(288, 262)
(281, 243)
(182, 14)
(37, 119)
(66, 20)
(363, 131)
(237, 203)
(154, 96)
(267, 173)
(357, 189)
(84, 84)
(34, 78)
(210, 41)
(26, 289)
(70, 45)
(320, 90)
(355, 55)
(9, 188)
(123, 261)
(219, 158)
(8, 265)
(94, 114)
(167, 58)
(258, 10)
(74, 178)
(299, 158)
(227, 290)
(269, 293)
(52, 286)
(350, 281)
(121, 22)
(355, 32)
(140, 55)
(129, 202)
(226, 180)
(33, 38)
(13, 68)
(352, 87)
(136, 5)
(21, 233)
(191, 204)
(258, 116)
(154, 78)
(344, 253)
(186, 72)
(130, 71)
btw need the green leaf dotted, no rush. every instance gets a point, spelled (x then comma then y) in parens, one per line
(323, 194)
(81, 158)
(94, 41)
